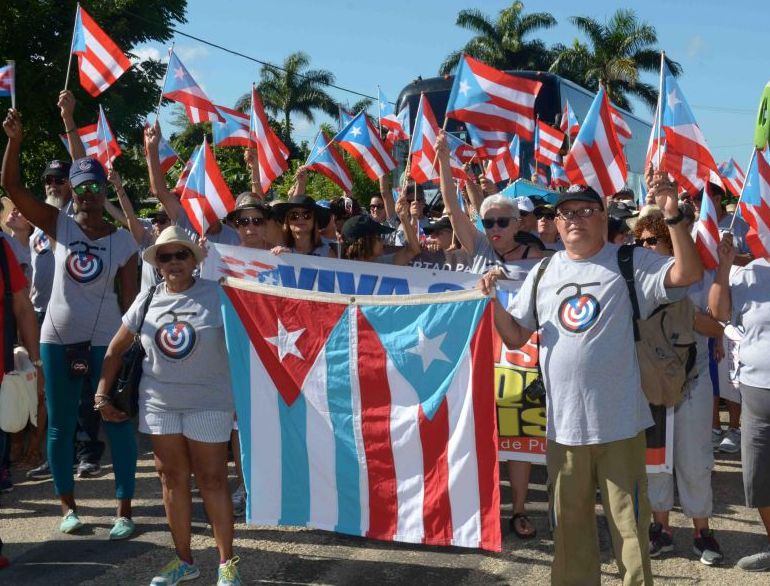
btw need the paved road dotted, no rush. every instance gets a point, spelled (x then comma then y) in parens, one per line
(41, 556)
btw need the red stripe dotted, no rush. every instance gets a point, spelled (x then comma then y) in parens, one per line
(490, 122)
(329, 174)
(359, 158)
(484, 412)
(607, 187)
(436, 507)
(375, 428)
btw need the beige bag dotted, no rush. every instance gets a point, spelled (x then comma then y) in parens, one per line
(18, 394)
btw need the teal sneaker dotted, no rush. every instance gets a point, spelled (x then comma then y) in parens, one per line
(228, 573)
(174, 572)
(123, 528)
(70, 522)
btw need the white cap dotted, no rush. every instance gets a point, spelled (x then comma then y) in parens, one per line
(525, 204)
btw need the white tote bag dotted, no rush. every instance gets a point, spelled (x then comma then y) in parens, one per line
(18, 394)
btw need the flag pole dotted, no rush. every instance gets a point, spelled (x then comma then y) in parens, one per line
(72, 46)
(659, 121)
(409, 152)
(310, 154)
(740, 197)
(379, 112)
(13, 85)
(165, 75)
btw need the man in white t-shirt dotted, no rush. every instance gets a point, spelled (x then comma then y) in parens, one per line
(596, 410)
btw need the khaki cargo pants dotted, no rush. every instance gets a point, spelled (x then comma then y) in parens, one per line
(618, 469)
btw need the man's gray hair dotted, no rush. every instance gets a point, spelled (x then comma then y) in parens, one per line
(499, 201)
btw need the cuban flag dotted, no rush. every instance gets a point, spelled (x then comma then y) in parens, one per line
(7, 80)
(205, 196)
(89, 139)
(271, 152)
(569, 124)
(755, 205)
(366, 416)
(100, 61)
(360, 139)
(622, 128)
(387, 115)
(548, 143)
(505, 166)
(707, 232)
(326, 159)
(558, 176)
(107, 149)
(234, 131)
(181, 87)
(596, 158)
(732, 176)
(491, 99)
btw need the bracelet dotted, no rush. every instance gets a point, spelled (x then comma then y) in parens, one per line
(675, 220)
(70, 131)
(98, 406)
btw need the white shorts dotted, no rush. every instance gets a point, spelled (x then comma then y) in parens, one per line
(211, 427)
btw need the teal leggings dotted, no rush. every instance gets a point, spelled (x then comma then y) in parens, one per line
(62, 395)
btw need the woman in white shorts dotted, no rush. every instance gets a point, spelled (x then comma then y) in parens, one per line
(185, 399)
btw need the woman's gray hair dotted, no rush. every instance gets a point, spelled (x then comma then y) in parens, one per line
(499, 201)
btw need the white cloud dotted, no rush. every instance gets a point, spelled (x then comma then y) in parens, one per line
(695, 46)
(144, 53)
(190, 52)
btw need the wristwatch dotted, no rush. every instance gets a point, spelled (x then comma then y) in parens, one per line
(37, 363)
(675, 220)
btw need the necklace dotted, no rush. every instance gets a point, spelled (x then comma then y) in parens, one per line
(502, 256)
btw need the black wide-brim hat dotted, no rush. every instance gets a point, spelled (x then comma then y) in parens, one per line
(305, 202)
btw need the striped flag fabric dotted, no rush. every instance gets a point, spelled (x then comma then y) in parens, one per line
(755, 205)
(488, 143)
(205, 196)
(100, 61)
(168, 156)
(423, 155)
(400, 133)
(272, 154)
(622, 128)
(569, 124)
(107, 149)
(707, 232)
(7, 80)
(181, 87)
(362, 142)
(492, 99)
(386, 113)
(89, 139)
(234, 131)
(324, 158)
(732, 176)
(548, 143)
(182, 179)
(506, 165)
(559, 177)
(344, 116)
(402, 449)
(596, 158)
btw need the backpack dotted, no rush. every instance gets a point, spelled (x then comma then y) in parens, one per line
(665, 341)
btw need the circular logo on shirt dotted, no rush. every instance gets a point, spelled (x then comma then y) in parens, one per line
(41, 243)
(176, 339)
(579, 312)
(83, 266)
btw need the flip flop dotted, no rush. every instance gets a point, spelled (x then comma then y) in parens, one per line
(515, 529)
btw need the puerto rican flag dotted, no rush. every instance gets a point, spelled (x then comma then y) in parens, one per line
(596, 158)
(732, 176)
(272, 154)
(100, 61)
(569, 124)
(506, 165)
(326, 159)
(106, 145)
(344, 117)
(707, 232)
(386, 113)
(7, 80)
(181, 87)
(362, 142)
(755, 205)
(182, 179)
(234, 131)
(168, 156)
(559, 176)
(379, 417)
(488, 143)
(491, 99)
(423, 154)
(89, 139)
(402, 132)
(622, 128)
(205, 196)
(548, 143)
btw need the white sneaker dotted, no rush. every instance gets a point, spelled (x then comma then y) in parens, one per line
(239, 501)
(716, 438)
(731, 442)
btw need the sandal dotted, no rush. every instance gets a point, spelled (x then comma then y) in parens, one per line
(526, 521)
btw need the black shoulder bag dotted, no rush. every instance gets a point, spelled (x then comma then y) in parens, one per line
(536, 389)
(125, 391)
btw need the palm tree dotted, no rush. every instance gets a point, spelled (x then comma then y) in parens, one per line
(616, 53)
(292, 88)
(502, 42)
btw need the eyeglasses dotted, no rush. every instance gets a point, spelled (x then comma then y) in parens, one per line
(550, 217)
(169, 256)
(243, 222)
(159, 220)
(294, 216)
(570, 215)
(651, 241)
(523, 214)
(91, 187)
(51, 180)
(377, 206)
(489, 223)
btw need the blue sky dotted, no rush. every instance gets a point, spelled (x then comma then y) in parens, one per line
(721, 46)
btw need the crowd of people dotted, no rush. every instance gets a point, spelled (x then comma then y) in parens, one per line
(87, 278)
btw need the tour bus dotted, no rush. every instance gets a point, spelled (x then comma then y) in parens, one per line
(548, 107)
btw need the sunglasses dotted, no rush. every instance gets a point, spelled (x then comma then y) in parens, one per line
(546, 216)
(161, 220)
(523, 214)
(377, 206)
(91, 187)
(651, 241)
(169, 256)
(50, 180)
(579, 213)
(489, 223)
(294, 216)
(243, 222)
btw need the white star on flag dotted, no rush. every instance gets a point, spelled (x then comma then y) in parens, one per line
(673, 100)
(429, 349)
(179, 73)
(382, 105)
(286, 342)
(464, 88)
(355, 131)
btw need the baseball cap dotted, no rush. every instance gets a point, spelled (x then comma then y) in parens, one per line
(57, 168)
(363, 225)
(621, 210)
(525, 204)
(579, 193)
(86, 169)
(441, 224)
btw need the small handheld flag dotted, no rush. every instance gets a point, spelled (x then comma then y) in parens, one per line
(8, 82)
(205, 196)
(271, 152)
(181, 87)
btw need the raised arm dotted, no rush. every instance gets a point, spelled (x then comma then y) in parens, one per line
(252, 162)
(41, 214)
(461, 224)
(387, 197)
(157, 181)
(475, 194)
(136, 228)
(720, 303)
(66, 105)
(406, 253)
(300, 182)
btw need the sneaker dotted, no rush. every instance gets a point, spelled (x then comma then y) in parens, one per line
(706, 546)
(42, 472)
(239, 501)
(228, 573)
(716, 438)
(70, 522)
(660, 540)
(88, 469)
(6, 484)
(174, 572)
(759, 562)
(123, 528)
(731, 443)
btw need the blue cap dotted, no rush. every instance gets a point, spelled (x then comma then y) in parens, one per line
(86, 169)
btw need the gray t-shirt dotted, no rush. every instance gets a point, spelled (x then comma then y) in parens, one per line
(588, 357)
(186, 366)
(84, 304)
(749, 286)
(43, 264)
(226, 235)
(699, 295)
(150, 275)
(485, 257)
